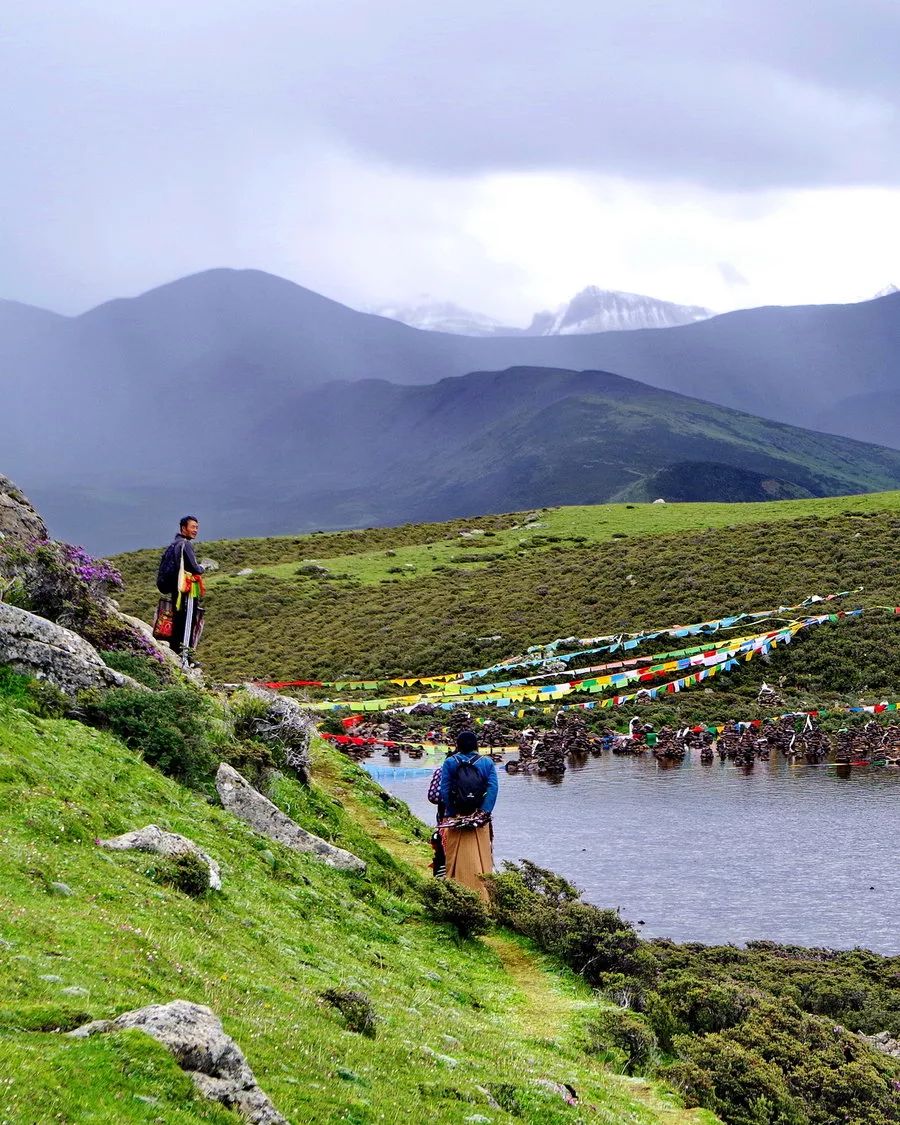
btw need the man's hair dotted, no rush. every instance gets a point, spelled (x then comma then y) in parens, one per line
(185, 520)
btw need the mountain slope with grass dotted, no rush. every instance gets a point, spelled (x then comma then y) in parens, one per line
(88, 934)
(429, 599)
(380, 994)
(372, 452)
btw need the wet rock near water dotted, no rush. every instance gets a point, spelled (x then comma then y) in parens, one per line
(240, 798)
(155, 839)
(37, 647)
(194, 1034)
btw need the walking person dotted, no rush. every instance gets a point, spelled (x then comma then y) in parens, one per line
(468, 793)
(178, 577)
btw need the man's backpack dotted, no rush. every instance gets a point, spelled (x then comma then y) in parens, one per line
(468, 787)
(169, 565)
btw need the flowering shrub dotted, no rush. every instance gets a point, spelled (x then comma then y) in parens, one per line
(66, 585)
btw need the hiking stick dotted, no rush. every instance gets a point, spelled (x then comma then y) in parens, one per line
(186, 641)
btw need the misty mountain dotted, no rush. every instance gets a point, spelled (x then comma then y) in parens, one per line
(591, 310)
(224, 343)
(160, 394)
(351, 454)
(609, 310)
(445, 316)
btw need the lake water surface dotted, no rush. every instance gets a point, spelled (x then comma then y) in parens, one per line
(710, 853)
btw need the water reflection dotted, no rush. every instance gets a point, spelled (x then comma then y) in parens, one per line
(712, 852)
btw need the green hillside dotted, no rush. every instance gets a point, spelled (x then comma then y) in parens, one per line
(456, 1021)
(427, 599)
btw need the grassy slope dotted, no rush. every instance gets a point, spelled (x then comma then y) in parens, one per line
(637, 567)
(284, 928)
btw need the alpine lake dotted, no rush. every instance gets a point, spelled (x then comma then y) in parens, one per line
(706, 852)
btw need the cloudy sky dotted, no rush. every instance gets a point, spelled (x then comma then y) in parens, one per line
(498, 153)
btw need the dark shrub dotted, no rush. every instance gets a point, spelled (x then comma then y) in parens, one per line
(186, 873)
(622, 1030)
(174, 729)
(147, 670)
(355, 1007)
(739, 1085)
(548, 909)
(458, 906)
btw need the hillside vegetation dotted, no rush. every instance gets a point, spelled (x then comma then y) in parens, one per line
(462, 1028)
(419, 600)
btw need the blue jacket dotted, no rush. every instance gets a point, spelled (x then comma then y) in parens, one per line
(484, 766)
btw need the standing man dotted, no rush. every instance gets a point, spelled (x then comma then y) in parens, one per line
(177, 568)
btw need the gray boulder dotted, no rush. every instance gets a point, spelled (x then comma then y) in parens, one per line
(287, 723)
(18, 519)
(36, 647)
(195, 1036)
(241, 799)
(154, 839)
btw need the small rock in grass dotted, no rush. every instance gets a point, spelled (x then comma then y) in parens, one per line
(62, 890)
(447, 1060)
(479, 1117)
(51, 978)
(149, 1099)
(74, 990)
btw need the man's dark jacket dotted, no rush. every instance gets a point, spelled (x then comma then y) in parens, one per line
(169, 564)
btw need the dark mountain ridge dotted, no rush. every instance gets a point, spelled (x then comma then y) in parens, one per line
(184, 391)
(370, 452)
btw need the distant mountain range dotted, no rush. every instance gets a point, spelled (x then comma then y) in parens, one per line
(591, 310)
(195, 391)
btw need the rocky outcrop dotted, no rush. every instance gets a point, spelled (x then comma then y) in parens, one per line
(884, 1042)
(36, 647)
(195, 1036)
(18, 519)
(241, 799)
(285, 722)
(154, 839)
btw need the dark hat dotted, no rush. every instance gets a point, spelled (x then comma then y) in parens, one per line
(467, 742)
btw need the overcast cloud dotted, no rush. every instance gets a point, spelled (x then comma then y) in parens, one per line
(499, 153)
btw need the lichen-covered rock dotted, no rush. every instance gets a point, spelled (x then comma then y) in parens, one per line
(247, 804)
(155, 839)
(39, 648)
(884, 1042)
(18, 519)
(195, 1036)
(287, 723)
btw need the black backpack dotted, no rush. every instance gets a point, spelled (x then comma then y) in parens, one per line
(468, 788)
(169, 565)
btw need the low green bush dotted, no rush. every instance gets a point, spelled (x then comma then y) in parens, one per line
(458, 906)
(356, 1008)
(619, 1029)
(36, 696)
(177, 729)
(546, 908)
(186, 873)
(147, 670)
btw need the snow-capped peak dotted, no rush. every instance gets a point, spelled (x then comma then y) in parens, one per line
(610, 310)
(442, 316)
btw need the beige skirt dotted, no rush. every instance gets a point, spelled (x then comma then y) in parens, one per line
(470, 855)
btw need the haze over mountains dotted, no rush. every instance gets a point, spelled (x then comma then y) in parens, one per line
(205, 388)
(591, 310)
